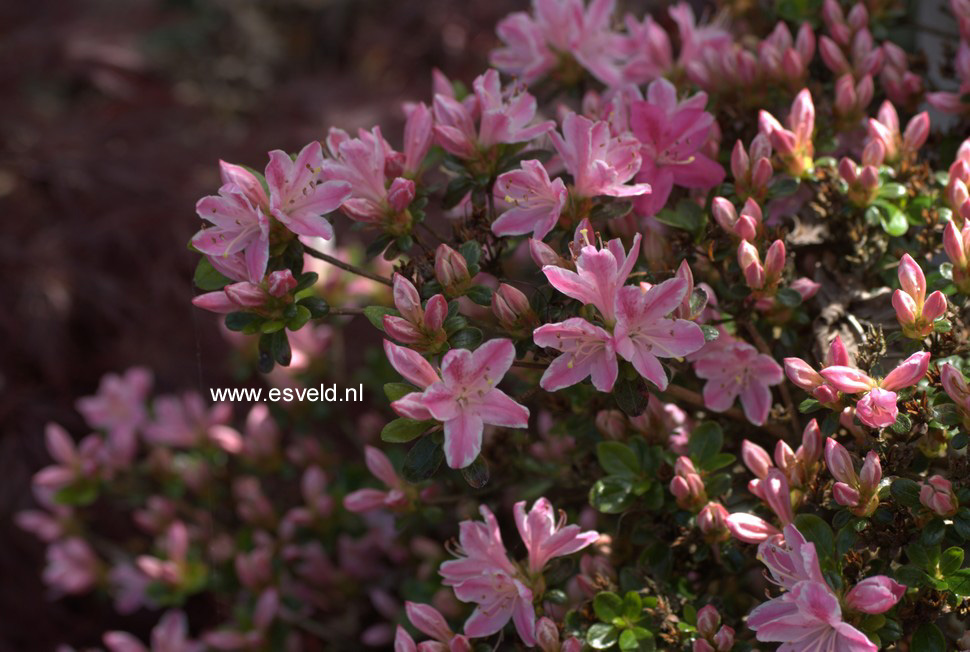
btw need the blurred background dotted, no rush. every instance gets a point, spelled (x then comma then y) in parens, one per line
(112, 121)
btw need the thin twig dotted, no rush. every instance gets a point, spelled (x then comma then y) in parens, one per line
(695, 399)
(347, 266)
(346, 311)
(529, 365)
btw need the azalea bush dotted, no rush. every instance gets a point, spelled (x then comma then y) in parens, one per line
(660, 325)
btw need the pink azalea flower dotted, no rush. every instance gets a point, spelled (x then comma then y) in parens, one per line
(857, 492)
(587, 351)
(119, 409)
(483, 573)
(465, 398)
(298, 196)
(953, 102)
(737, 369)
(71, 462)
(368, 165)
(955, 386)
(599, 163)
(808, 615)
(249, 297)
(171, 634)
(672, 134)
(599, 275)
(877, 407)
(240, 218)
(364, 500)
(645, 332)
(536, 202)
(504, 116)
(186, 421)
(429, 621)
(546, 537)
(72, 566)
(534, 45)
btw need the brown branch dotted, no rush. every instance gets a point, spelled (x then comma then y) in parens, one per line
(346, 311)
(347, 266)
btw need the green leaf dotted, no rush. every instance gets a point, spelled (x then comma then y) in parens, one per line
(305, 280)
(456, 191)
(809, 405)
(280, 348)
(892, 191)
(902, 425)
(906, 492)
(299, 320)
(236, 321)
(896, 224)
(933, 532)
(783, 187)
(375, 315)
(423, 460)
(480, 295)
(959, 441)
(207, 278)
(318, 307)
(79, 494)
(687, 216)
(403, 430)
(789, 298)
(818, 532)
(705, 441)
(718, 461)
(610, 210)
(631, 396)
(471, 250)
(942, 326)
(844, 540)
(917, 554)
(601, 636)
(608, 606)
(467, 338)
(928, 638)
(951, 560)
(612, 494)
(632, 606)
(961, 523)
(959, 582)
(394, 391)
(617, 458)
(476, 474)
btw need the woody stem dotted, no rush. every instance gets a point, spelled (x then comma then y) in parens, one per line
(347, 266)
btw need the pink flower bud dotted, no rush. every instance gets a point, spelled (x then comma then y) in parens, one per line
(755, 458)
(845, 95)
(246, 295)
(750, 528)
(547, 635)
(428, 620)
(825, 394)
(937, 495)
(845, 495)
(869, 178)
(400, 194)
(775, 261)
(724, 213)
(858, 17)
(874, 153)
(724, 639)
(837, 354)
(739, 163)
(778, 495)
(839, 462)
(708, 620)
(801, 374)
(874, 595)
(848, 170)
(280, 283)
(543, 254)
(953, 245)
(750, 264)
(916, 132)
(785, 458)
(911, 279)
(511, 307)
(907, 312)
(871, 474)
(908, 372)
(955, 386)
(402, 330)
(701, 645)
(451, 270)
(935, 307)
(812, 443)
(435, 313)
(712, 521)
(612, 424)
(832, 56)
